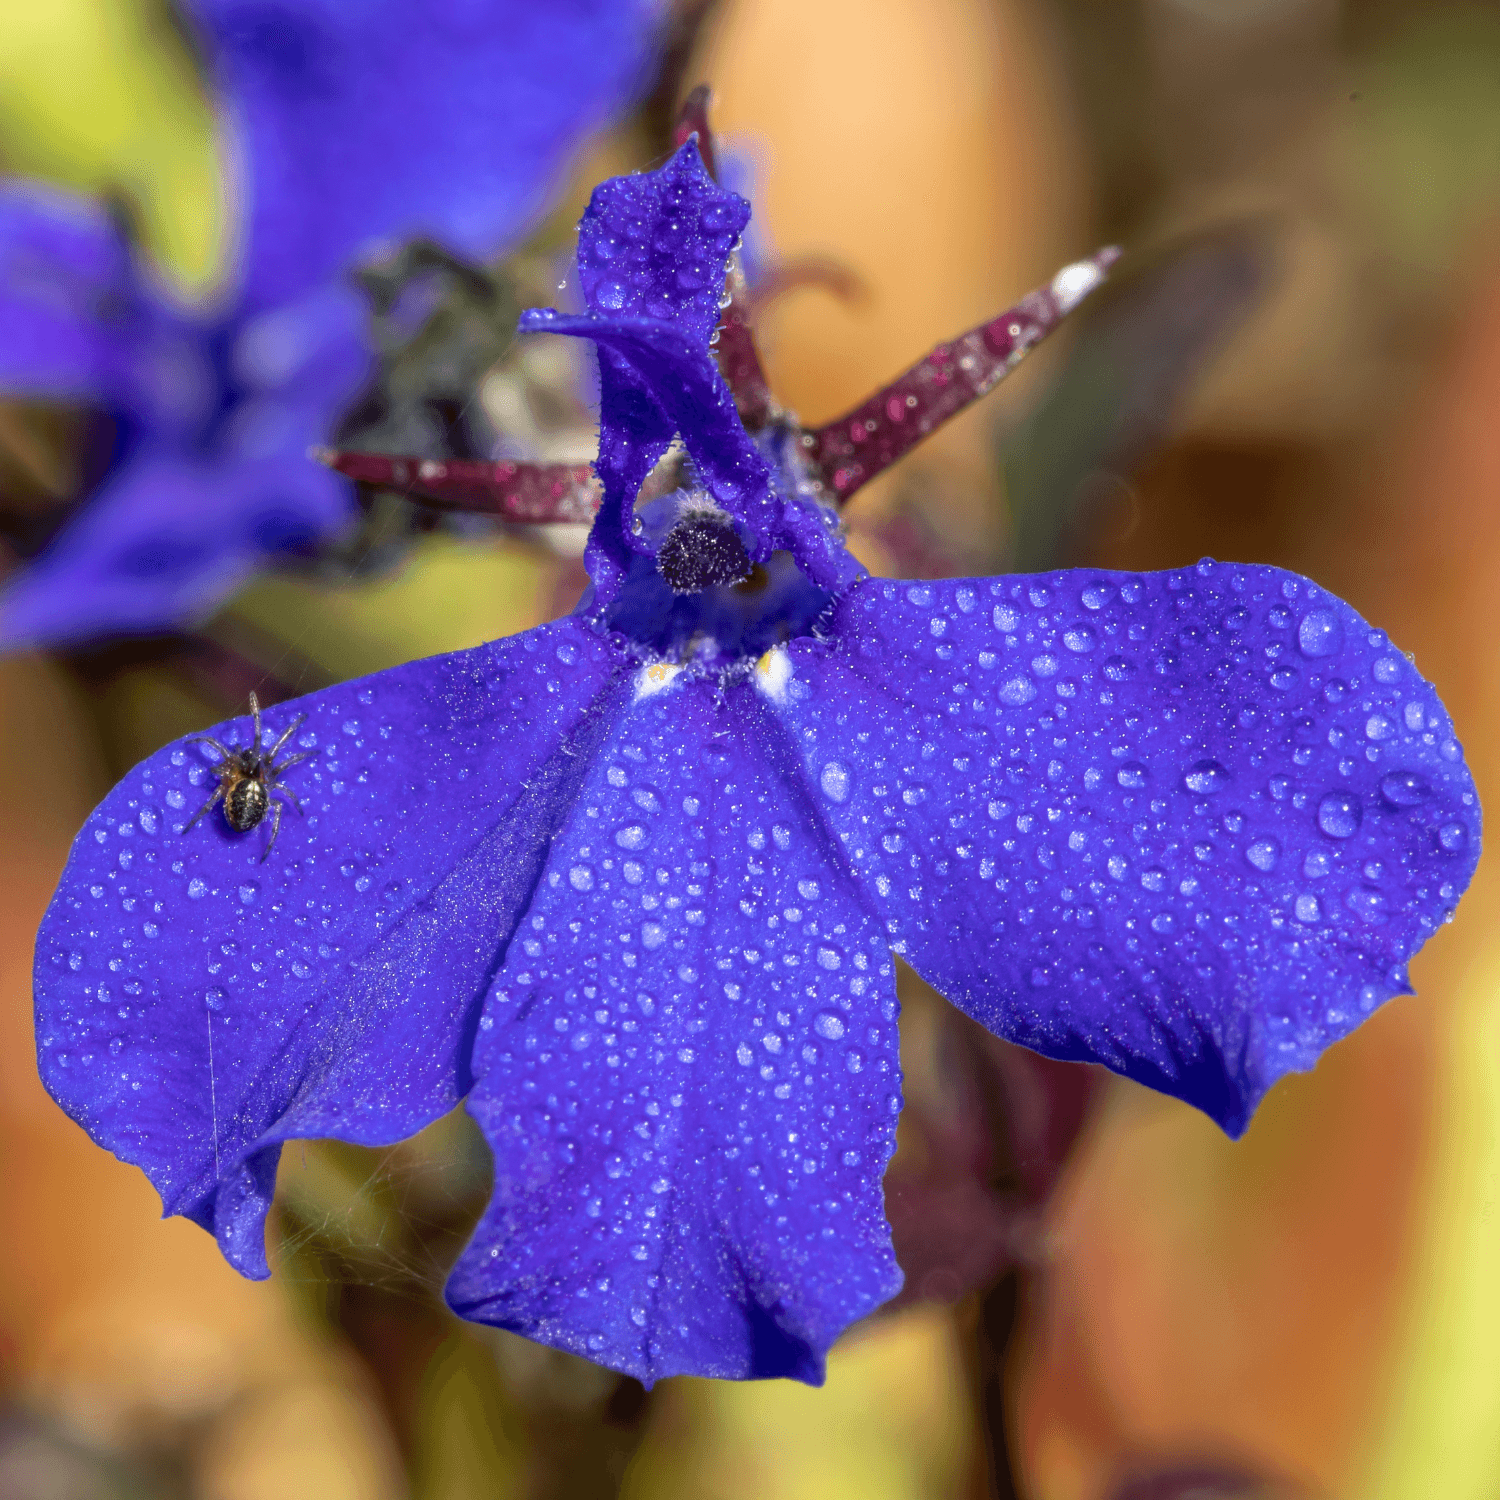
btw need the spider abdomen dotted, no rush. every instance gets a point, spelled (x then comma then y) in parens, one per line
(245, 803)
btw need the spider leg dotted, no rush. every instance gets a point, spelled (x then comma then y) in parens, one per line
(255, 714)
(286, 734)
(275, 829)
(208, 739)
(291, 760)
(290, 795)
(218, 792)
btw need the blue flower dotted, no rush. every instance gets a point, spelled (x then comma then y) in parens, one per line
(351, 123)
(632, 883)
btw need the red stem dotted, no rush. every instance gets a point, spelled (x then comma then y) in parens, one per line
(525, 492)
(852, 450)
(692, 119)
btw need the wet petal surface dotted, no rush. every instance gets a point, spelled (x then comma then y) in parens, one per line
(197, 1006)
(1190, 825)
(688, 1068)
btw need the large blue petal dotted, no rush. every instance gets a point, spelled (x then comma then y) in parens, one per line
(1190, 825)
(688, 1069)
(69, 303)
(196, 1006)
(369, 120)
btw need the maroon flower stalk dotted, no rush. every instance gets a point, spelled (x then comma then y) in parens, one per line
(510, 491)
(853, 449)
(843, 455)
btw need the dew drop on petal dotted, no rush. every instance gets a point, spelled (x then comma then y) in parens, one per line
(1403, 788)
(1263, 854)
(1454, 837)
(835, 781)
(829, 1025)
(1206, 778)
(1339, 815)
(1320, 633)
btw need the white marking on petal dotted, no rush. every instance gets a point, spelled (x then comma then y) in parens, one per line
(655, 679)
(772, 673)
(1073, 283)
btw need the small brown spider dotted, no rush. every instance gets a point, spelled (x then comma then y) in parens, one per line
(248, 777)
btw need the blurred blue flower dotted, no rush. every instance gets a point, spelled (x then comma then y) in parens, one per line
(350, 124)
(632, 883)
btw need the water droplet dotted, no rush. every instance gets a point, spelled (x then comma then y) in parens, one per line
(1454, 837)
(1132, 775)
(1206, 778)
(632, 836)
(1308, 909)
(1387, 670)
(1017, 690)
(1263, 854)
(835, 781)
(1378, 727)
(197, 889)
(1080, 638)
(829, 1024)
(1339, 815)
(1321, 633)
(581, 878)
(1367, 903)
(1403, 788)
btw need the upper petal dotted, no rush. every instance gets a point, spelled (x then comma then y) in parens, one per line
(656, 245)
(68, 297)
(687, 396)
(196, 1006)
(367, 120)
(1190, 825)
(687, 1069)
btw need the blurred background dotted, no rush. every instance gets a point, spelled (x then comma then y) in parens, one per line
(1298, 363)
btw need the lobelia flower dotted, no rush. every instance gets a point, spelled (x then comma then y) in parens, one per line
(352, 124)
(632, 883)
